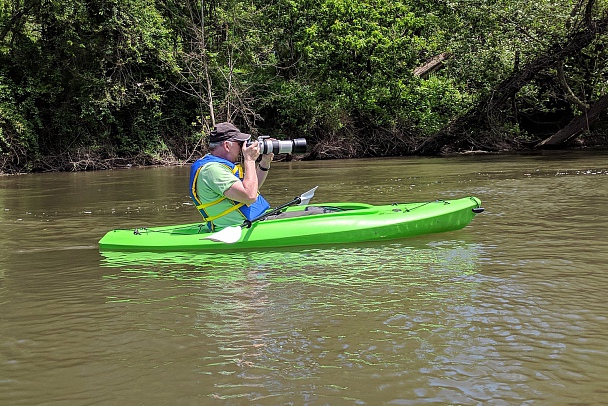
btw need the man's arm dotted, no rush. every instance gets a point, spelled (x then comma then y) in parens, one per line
(246, 191)
(264, 163)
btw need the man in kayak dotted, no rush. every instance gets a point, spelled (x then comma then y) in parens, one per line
(224, 191)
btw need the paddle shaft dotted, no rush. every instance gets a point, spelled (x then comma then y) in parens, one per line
(230, 235)
(276, 210)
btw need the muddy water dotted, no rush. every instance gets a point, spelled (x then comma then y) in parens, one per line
(510, 310)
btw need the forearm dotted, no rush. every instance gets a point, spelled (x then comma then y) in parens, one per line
(251, 180)
(262, 169)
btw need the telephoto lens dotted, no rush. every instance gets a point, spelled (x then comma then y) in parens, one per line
(296, 146)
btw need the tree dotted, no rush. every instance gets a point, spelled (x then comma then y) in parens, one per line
(583, 32)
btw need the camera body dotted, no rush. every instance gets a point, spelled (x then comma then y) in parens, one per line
(266, 145)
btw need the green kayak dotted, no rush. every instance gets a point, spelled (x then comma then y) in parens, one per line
(341, 223)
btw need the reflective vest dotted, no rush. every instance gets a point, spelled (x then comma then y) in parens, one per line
(249, 212)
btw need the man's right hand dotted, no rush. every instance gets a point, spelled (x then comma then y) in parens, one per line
(251, 152)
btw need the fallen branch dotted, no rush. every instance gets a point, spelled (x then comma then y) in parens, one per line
(431, 65)
(459, 130)
(577, 126)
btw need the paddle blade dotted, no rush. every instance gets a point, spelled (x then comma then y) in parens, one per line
(229, 235)
(306, 196)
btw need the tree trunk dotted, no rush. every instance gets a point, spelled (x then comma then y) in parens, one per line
(461, 128)
(577, 126)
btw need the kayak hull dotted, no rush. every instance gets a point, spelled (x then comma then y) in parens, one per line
(352, 223)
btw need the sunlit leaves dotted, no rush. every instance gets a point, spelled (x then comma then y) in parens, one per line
(129, 74)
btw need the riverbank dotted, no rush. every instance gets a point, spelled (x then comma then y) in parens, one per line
(87, 160)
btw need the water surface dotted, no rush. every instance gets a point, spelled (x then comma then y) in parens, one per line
(509, 310)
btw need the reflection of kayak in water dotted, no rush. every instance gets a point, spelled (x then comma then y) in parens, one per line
(336, 223)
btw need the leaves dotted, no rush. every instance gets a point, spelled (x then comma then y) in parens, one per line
(129, 76)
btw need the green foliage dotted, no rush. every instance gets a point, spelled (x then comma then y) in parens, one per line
(349, 63)
(87, 74)
(129, 77)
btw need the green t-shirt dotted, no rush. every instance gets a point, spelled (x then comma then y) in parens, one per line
(213, 180)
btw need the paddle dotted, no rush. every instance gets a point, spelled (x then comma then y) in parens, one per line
(232, 234)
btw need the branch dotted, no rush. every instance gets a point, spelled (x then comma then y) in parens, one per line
(206, 65)
(577, 126)
(589, 14)
(459, 129)
(431, 65)
(567, 90)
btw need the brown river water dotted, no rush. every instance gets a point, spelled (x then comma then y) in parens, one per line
(510, 310)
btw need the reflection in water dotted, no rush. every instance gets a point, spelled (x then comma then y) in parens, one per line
(273, 318)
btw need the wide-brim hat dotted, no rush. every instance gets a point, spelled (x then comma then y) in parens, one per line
(227, 132)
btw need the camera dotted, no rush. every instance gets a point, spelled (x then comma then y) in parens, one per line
(266, 146)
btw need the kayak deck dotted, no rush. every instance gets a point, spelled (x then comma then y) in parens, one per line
(346, 223)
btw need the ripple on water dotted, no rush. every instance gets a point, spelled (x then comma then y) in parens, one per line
(510, 310)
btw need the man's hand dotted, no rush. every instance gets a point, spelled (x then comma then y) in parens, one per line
(266, 160)
(251, 152)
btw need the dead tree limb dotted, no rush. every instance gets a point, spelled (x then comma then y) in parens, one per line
(577, 126)
(431, 65)
(461, 128)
